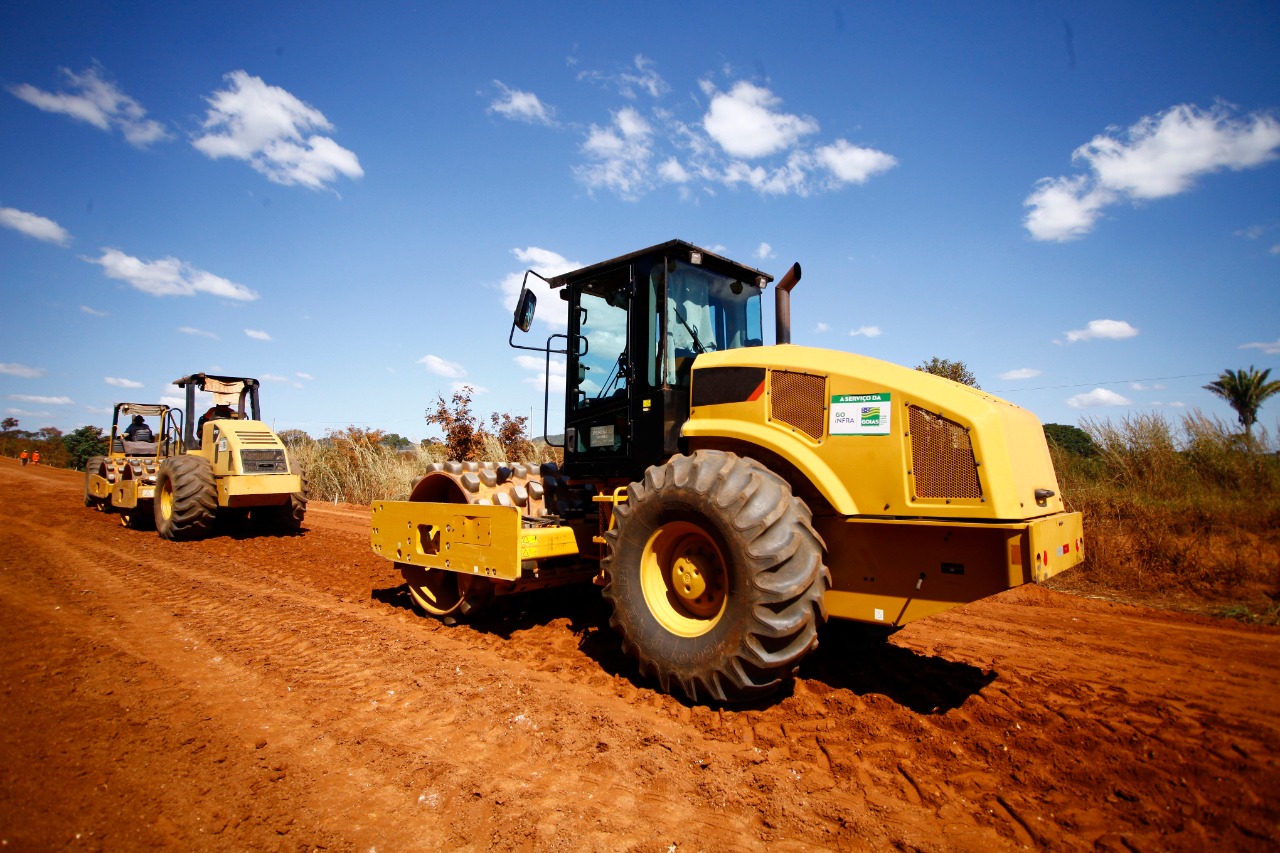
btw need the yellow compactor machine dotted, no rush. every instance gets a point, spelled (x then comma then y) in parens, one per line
(232, 463)
(194, 468)
(729, 496)
(124, 481)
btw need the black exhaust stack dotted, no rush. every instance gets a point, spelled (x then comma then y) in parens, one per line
(782, 304)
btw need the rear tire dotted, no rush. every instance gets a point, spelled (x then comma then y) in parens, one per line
(716, 578)
(186, 501)
(93, 466)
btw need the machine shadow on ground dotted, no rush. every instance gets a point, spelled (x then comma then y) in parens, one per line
(850, 656)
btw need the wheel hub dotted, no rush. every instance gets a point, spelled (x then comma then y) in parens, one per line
(684, 578)
(694, 582)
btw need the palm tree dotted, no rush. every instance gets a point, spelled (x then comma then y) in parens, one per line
(1245, 392)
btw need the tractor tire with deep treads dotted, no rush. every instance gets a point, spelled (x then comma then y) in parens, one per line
(186, 501)
(716, 577)
(93, 466)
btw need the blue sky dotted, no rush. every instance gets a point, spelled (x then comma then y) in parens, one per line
(1079, 200)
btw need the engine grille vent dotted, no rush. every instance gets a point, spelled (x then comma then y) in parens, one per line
(799, 400)
(259, 437)
(941, 457)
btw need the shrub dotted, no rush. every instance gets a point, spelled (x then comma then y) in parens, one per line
(1176, 511)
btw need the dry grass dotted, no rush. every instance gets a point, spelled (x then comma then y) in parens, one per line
(1178, 515)
(353, 466)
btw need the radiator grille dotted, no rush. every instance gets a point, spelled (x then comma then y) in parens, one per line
(259, 437)
(799, 400)
(941, 457)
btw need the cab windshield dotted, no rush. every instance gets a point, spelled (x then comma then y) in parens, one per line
(705, 312)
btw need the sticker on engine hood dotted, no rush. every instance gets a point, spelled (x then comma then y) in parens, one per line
(860, 414)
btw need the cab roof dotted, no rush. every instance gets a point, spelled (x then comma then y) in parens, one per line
(199, 379)
(678, 248)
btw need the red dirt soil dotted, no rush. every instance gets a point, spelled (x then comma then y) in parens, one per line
(254, 692)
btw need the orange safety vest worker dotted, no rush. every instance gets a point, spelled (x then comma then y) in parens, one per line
(35, 458)
(23, 457)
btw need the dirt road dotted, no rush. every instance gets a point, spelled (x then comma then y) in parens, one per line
(277, 693)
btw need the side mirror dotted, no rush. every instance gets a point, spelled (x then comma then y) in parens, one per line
(524, 309)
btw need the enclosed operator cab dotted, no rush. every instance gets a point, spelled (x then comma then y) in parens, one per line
(635, 326)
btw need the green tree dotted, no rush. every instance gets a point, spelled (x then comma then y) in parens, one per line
(1070, 438)
(82, 443)
(1245, 391)
(396, 442)
(48, 440)
(956, 371)
(8, 424)
(294, 438)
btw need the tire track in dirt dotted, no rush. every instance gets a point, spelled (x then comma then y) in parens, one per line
(239, 640)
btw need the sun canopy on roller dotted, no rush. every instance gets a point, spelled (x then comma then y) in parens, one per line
(238, 392)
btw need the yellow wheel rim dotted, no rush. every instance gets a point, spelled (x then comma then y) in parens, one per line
(166, 499)
(684, 579)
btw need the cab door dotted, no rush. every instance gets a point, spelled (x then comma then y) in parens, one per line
(600, 376)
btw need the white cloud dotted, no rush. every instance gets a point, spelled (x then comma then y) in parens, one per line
(620, 155)
(822, 327)
(1113, 330)
(306, 376)
(25, 413)
(275, 377)
(475, 390)
(1176, 404)
(257, 334)
(643, 78)
(1064, 208)
(1138, 386)
(1097, 397)
(34, 226)
(98, 102)
(521, 106)
(94, 311)
(191, 330)
(851, 164)
(167, 277)
(555, 376)
(639, 78)
(14, 369)
(275, 133)
(121, 383)
(440, 367)
(672, 172)
(551, 309)
(44, 401)
(764, 251)
(1159, 156)
(868, 331)
(726, 146)
(1020, 373)
(1272, 348)
(744, 122)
